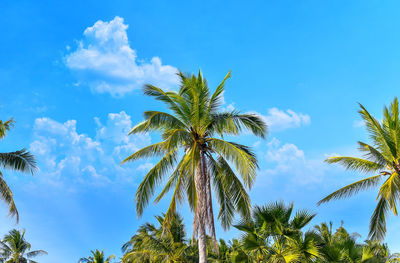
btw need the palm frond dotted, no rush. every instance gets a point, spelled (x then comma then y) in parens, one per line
(377, 226)
(374, 154)
(7, 196)
(234, 122)
(157, 121)
(390, 191)
(36, 253)
(241, 156)
(226, 206)
(165, 97)
(5, 127)
(377, 133)
(21, 160)
(358, 164)
(152, 179)
(353, 188)
(150, 151)
(302, 218)
(217, 97)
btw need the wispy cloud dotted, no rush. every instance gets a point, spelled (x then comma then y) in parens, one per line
(105, 61)
(291, 163)
(279, 120)
(358, 124)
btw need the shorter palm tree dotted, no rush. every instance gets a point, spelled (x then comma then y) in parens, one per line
(160, 244)
(15, 249)
(275, 235)
(342, 247)
(97, 257)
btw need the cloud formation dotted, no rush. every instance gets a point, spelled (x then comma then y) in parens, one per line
(105, 61)
(279, 120)
(288, 161)
(64, 154)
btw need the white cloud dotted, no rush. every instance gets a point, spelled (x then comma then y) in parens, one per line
(290, 163)
(116, 132)
(283, 154)
(106, 62)
(64, 154)
(279, 120)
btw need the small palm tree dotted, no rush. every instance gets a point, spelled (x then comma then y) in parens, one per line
(97, 257)
(195, 151)
(275, 234)
(341, 246)
(15, 249)
(381, 157)
(158, 244)
(21, 161)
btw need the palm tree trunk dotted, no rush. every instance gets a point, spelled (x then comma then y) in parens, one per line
(201, 207)
(195, 228)
(210, 212)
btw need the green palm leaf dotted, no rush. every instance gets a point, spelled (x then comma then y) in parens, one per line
(353, 188)
(382, 157)
(358, 164)
(21, 160)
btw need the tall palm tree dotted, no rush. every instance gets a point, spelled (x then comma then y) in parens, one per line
(21, 161)
(195, 154)
(381, 157)
(97, 257)
(15, 249)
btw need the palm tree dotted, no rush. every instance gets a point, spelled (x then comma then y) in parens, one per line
(381, 157)
(97, 257)
(15, 249)
(275, 234)
(340, 247)
(20, 160)
(195, 154)
(159, 244)
(238, 254)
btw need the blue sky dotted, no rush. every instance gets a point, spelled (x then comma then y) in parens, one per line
(71, 74)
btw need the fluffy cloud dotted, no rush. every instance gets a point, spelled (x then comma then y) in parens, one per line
(64, 154)
(279, 120)
(289, 162)
(106, 62)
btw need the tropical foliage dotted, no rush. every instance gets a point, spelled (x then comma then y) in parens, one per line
(15, 249)
(196, 155)
(97, 257)
(160, 244)
(275, 234)
(382, 158)
(20, 160)
(197, 160)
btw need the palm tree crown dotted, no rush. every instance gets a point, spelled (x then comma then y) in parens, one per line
(275, 235)
(15, 249)
(97, 257)
(381, 157)
(20, 160)
(158, 244)
(193, 148)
